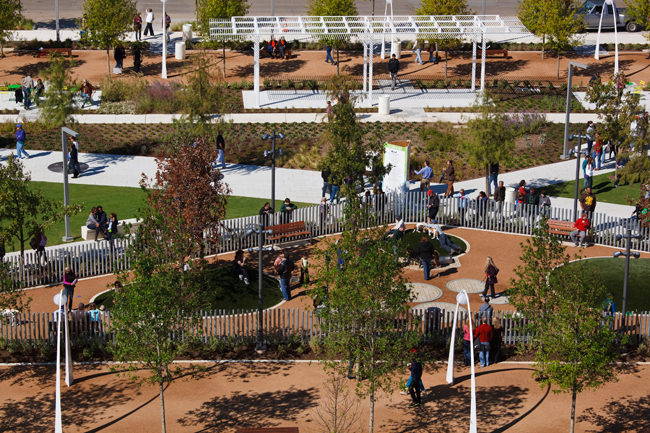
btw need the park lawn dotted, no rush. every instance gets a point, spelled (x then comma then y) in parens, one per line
(610, 272)
(124, 201)
(602, 186)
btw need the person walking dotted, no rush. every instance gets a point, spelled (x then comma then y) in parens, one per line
(450, 176)
(39, 91)
(393, 69)
(137, 59)
(168, 23)
(20, 142)
(149, 18)
(418, 52)
(492, 179)
(328, 55)
(69, 283)
(484, 334)
(137, 26)
(38, 243)
(428, 256)
(119, 54)
(427, 174)
(432, 49)
(221, 151)
(27, 87)
(73, 158)
(414, 381)
(433, 205)
(588, 167)
(599, 153)
(87, 90)
(327, 186)
(491, 272)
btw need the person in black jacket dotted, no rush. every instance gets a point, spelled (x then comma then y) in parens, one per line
(284, 271)
(221, 150)
(327, 187)
(414, 381)
(137, 58)
(102, 221)
(433, 204)
(74, 157)
(265, 212)
(119, 54)
(428, 256)
(500, 196)
(393, 68)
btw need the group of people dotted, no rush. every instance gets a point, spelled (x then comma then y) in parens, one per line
(30, 91)
(486, 337)
(100, 223)
(149, 20)
(286, 212)
(277, 49)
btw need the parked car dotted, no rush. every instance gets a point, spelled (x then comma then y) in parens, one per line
(592, 9)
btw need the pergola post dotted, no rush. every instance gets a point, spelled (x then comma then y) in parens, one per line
(370, 57)
(483, 64)
(365, 65)
(474, 63)
(256, 69)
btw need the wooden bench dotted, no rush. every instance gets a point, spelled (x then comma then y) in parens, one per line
(494, 53)
(47, 51)
(269, 430)
(559, 227)
(89, 234)
(289, 230)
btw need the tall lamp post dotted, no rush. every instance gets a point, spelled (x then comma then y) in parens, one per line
(271, 154)
(627, 254)
(260, 346)
(565, 153)
(66, 196)
(577, 187)
(164, 41)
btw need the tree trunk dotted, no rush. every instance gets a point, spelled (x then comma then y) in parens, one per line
(446, 58)
(337, 61)
(371, 426)
(558, 65)
(573, 410)
(436, 51)
(487, 178)
(2, 49)
(224, 58)
(162, 406)
(108, 60)
(543, 45)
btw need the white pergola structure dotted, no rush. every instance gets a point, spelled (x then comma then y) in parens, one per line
(368, 30)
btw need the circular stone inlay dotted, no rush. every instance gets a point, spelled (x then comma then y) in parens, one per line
(467, 284)
(446, 306)
(424, 292)
(503, 299)
(57, 167)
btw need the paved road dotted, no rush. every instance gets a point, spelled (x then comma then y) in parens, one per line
(42, 11)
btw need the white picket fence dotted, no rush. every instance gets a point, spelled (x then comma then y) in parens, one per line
(90, 259)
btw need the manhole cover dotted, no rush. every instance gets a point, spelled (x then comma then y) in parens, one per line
(445, 306)
(57, 167)
(425, 292)
(467, 284)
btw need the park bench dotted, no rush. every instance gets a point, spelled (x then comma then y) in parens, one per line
(289, 230)
(494, 53)
(559, 227)
(46, 51)
(89, 234)
(269, 430)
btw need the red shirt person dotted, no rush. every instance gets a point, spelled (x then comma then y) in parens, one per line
(484, 334)
(581, 227)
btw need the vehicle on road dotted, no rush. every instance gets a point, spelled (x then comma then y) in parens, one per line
(592, 9)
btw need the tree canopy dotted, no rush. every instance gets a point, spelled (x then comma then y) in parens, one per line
(207, 10)
(639, 12)
(57, 108)
(10, 16)
(332, 8)
(106, 22)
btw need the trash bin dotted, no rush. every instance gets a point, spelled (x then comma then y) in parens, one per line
(395, 48)
(180, 51)
(510, 195)
(384, 104)
(187, 32)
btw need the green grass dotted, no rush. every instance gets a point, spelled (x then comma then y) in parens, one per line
(602, 186)
(610, 272)
(412, 238)
(124, 201)
(223, 290)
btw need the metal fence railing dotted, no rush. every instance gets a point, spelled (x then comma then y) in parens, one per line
(281, 324)
(98, 258)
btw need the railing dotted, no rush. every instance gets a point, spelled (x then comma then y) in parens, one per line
(281, 324)
(98, 258)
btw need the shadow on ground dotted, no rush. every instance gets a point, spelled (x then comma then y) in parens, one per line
(628, 414)
(250, 409)
(269, 69)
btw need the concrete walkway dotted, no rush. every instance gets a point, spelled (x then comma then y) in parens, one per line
(299, 185)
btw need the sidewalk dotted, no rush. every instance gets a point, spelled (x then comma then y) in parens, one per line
(299, 185)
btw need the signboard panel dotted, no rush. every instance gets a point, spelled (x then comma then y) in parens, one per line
(396, 154)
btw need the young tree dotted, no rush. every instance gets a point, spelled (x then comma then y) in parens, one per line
(203, 96)
(10, 16)
(106, 23)
(491, 139)
(639, 12)
(207, 10)
(574, 346)
(563, 24)
(23, 208)
(364, 298)
(57, 108)
(350, 153)
(189, 193)
(333, 8)
(444, 7)
(617, 109)
(534, 15)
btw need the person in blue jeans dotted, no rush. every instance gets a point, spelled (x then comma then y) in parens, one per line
(20, 142)
(493, 179)
(428, 256)
(284, 270)
(484, 334)
(443, 239)
(328, 57)
(335, 193)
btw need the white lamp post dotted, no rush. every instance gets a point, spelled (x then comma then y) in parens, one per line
(164, 41)
(463, 299)
(61, 315)
(600, 23)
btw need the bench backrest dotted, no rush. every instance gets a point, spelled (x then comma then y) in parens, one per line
(297, 226)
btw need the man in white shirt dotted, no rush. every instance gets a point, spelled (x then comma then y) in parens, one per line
(149, 20)
(398, 230)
